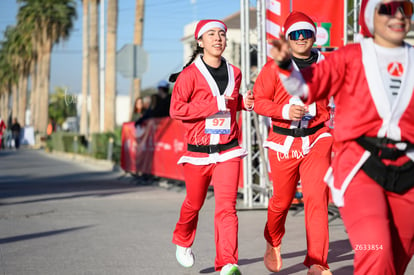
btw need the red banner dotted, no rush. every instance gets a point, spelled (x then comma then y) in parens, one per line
(154, 148)
(328, 16)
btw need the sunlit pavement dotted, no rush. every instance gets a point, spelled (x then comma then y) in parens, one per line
(60, 215)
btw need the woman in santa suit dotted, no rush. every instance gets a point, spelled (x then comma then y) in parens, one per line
(299, 146)
(206, 99)
(372, 174)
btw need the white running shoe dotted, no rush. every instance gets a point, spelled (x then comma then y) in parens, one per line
(184, 256)
(230, 269)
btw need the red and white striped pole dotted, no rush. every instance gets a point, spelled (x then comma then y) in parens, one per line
(276, 12)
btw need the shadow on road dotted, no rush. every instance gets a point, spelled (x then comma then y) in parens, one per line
(26, 174)
(339, 251)
(40, 235)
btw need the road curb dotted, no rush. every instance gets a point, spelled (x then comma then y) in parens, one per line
(102, 163)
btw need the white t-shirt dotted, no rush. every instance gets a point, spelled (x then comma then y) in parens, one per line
(391, 65)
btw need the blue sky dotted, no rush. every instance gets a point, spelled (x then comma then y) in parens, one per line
(164, 22)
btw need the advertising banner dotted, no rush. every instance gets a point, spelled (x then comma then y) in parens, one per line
(328, 16)
(154, 148)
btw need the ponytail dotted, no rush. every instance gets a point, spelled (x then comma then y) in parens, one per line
(197, 51)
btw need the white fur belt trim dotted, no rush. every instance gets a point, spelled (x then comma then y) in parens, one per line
(338, 194)
(213, 158)
(284, 149)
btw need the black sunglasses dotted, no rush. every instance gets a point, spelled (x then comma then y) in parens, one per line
(294, 35)
(406, 8)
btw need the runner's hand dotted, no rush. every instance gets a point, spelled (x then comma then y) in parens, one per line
(296, 112)
(227, 98)
(280, 51)
(249, 100)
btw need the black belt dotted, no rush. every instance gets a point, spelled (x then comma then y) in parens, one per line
(379, 148)
(397, 179)
(297, 132)
(214, 148)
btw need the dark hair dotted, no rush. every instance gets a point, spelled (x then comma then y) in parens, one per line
(197, 51)
(135, 103)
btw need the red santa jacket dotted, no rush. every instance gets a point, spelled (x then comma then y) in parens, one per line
(352, 77)
(2, 127)
(195, 98)
(272, 100)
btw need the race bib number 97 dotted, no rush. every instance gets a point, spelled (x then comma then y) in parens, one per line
(218, 123)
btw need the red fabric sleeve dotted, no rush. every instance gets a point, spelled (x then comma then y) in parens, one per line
(187, 102)
(269, 95)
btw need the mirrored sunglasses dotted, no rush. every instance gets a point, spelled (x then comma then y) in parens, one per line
(294, 35)
(406, 8)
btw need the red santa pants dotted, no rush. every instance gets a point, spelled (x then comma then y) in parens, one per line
(380, 226)
(225, 178)
(286, 172)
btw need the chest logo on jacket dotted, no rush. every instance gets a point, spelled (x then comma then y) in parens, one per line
(395, 69)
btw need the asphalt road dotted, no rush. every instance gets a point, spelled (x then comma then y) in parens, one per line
(63, 216)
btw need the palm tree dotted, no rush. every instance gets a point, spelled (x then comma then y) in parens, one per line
(94, 125)
(52, 21)
(28, 73)
(85, 68)
(4, 91)
(4, 103)
(110, 68)
(21, 55)
(6, 78)
(34, 111)
(10, 55)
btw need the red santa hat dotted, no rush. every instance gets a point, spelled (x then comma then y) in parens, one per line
(298, 21)
(208, 24)
(366, 17)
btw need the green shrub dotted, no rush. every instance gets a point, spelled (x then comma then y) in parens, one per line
(75, 143)
(100, 142)
(67, 142)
